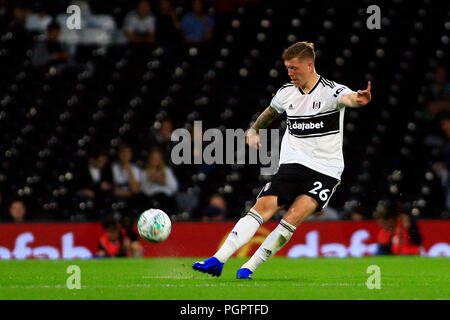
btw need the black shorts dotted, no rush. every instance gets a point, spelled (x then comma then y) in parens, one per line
(294, 179)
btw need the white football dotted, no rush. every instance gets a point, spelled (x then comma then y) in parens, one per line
(154, 225)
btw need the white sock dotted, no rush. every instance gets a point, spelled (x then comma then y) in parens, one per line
(271, 245)
(243, 232)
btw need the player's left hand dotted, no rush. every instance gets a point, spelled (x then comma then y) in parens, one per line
(252, 139)
(364, 96)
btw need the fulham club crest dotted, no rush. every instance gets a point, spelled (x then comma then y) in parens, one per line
(316, 105)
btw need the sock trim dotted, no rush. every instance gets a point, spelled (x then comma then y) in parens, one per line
(252, 213)
(287, 226)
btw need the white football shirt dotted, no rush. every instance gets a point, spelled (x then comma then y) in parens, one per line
(314, 132)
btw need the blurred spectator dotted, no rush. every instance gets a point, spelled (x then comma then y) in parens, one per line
(158, 182)
(125, 173)
(85, 11)
(50, 52)
(162, 138)
(3, 8)
(2, 209)
(96, 29)
(387, 221)
(406, 239)
(188, 200)
(19, 14)
(216, 210)
(140, 24)
(440, 141)
(438, 94)
(399, 234)
(115, 242)
(167, 24)
(94, 179)
(39, 20)
(17, 211)
(225, 10)
(444, 167)
(328, 213)
(130, 226)
(197, 26)
(227, 6)
(359, 213)
(164, 133)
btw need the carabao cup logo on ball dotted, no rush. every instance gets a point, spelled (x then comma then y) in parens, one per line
(154, 225)
(157, 226)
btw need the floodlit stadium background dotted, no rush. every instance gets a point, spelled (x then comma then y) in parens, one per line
(111, 91)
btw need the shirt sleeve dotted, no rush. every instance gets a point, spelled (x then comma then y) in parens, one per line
(129, 23)
(338, 92)
(152, 24)
(171, 181)
(279, 100)
(142, 177)
(115, 173)
(137, 172)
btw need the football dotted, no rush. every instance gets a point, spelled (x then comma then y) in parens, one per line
(154, 225)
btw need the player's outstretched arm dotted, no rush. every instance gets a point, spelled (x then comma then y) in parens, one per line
(357, 99)
(263, 121)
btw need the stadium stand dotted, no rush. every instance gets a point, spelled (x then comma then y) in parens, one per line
(111, 93)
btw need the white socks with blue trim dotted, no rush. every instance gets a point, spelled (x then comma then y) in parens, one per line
(271, 245)
(243, 232)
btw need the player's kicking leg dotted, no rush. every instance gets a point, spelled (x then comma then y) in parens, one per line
(299, 211)
(243, 232)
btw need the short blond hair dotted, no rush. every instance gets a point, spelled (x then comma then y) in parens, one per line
(300, 50)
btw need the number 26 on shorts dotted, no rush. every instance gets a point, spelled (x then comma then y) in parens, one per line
(323, 194)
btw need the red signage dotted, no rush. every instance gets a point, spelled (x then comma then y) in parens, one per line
(311, 239)
(197, 239)
(49, 240)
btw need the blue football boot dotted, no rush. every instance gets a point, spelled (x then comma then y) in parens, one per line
(211, 265)
(244, 273)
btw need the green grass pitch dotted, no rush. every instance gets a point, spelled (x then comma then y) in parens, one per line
(277, 279)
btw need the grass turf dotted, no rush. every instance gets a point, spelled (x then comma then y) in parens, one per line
(277, 279)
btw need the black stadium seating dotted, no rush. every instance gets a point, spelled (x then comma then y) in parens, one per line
(48, 120)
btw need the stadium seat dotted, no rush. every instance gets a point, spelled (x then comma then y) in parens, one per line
(226, 84)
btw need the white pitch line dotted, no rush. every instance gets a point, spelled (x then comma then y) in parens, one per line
(142, 285)
(172, 277)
